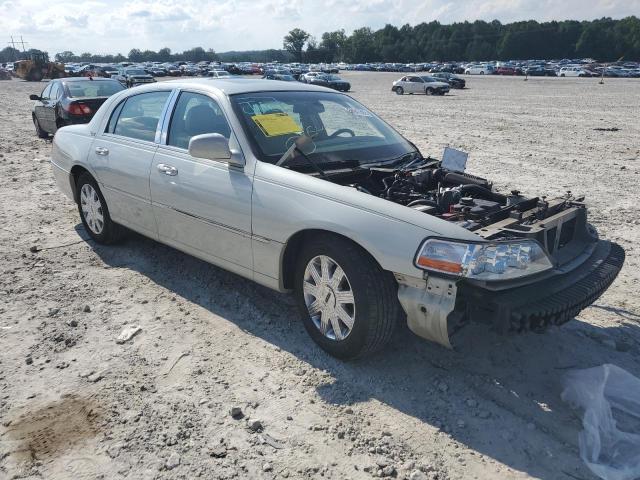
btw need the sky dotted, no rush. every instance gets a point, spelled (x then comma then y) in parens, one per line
(117, 26)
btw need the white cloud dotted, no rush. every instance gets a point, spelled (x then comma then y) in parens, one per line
(119, 25)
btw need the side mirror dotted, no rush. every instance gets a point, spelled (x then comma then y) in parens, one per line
(213, 146)
(34, 97)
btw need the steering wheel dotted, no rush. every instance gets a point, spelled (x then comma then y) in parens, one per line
(342, 130)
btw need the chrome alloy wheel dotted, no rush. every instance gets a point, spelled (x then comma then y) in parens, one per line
(329, 298)
(92, 208)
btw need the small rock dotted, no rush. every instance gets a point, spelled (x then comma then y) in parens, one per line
(128, 333)
(267, 467)
(417, 475)
(254, 425)
(382, 462)
(95, 377)
(73, 323)
(388, 471)
(34, 248)
(236, 412)
(53, 311)
(29, 360)
(218, 451)
(86, 309)
(173, 461)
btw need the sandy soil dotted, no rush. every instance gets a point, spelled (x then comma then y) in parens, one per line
(74, 404)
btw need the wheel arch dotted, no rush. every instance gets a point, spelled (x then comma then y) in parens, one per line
(293, 247)
(74, 175)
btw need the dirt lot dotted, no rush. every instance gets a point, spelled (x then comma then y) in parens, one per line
(74, 404)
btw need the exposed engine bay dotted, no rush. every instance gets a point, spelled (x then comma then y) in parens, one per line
(472, 203)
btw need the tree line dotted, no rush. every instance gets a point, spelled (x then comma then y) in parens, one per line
(603, 39)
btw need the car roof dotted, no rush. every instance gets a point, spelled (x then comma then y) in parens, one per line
(79, 79)
(235, 85)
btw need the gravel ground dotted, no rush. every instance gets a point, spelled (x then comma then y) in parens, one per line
(74, 404)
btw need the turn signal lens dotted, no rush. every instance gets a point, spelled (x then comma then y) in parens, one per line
(442, 256)
(483, 261)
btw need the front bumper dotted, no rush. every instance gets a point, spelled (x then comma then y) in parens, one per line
(436, 307)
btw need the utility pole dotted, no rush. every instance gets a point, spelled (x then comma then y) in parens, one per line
(15, 43)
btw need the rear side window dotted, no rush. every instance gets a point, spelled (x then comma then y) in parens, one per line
(196, 114)
(138, 116)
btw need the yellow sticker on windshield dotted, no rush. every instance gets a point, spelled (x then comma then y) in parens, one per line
(276, 124)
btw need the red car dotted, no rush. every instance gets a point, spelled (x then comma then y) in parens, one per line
(507, 70)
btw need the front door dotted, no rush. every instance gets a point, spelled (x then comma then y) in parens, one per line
(40, 107)
(122, 155)
(416, 85)
(202, 206)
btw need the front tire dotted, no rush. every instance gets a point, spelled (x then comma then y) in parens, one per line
(349, 305)
(428, 91)
(39, 131)
(94, 212)
(399, 91)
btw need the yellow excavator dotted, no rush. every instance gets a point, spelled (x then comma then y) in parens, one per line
(38, 67)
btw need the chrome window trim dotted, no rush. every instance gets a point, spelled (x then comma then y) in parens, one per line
(165, 116)
(113, 136)
(169, 114)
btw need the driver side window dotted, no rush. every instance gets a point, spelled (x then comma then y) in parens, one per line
(196, 114)
(46, 92)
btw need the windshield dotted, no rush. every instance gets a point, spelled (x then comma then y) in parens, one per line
(93, 88)
(342, 131)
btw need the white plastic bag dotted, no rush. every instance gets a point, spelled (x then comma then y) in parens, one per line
(610, 441)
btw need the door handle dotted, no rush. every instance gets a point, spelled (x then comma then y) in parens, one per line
(102, 151)
(167, 169)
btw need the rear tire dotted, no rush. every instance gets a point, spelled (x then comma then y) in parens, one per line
(338, 280)
(94, 212)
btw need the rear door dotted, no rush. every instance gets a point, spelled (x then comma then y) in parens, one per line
(52, 107)
(122, 155)
(202, 206)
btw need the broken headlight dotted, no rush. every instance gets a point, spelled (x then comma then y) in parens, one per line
(483, 261)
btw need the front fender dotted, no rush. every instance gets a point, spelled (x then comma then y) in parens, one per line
(285, 202)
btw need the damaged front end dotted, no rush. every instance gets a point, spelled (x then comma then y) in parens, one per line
(536, 262)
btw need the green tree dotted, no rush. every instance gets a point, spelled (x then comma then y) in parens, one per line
(294, 42)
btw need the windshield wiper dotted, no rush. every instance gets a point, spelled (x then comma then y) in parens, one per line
(288, 155)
